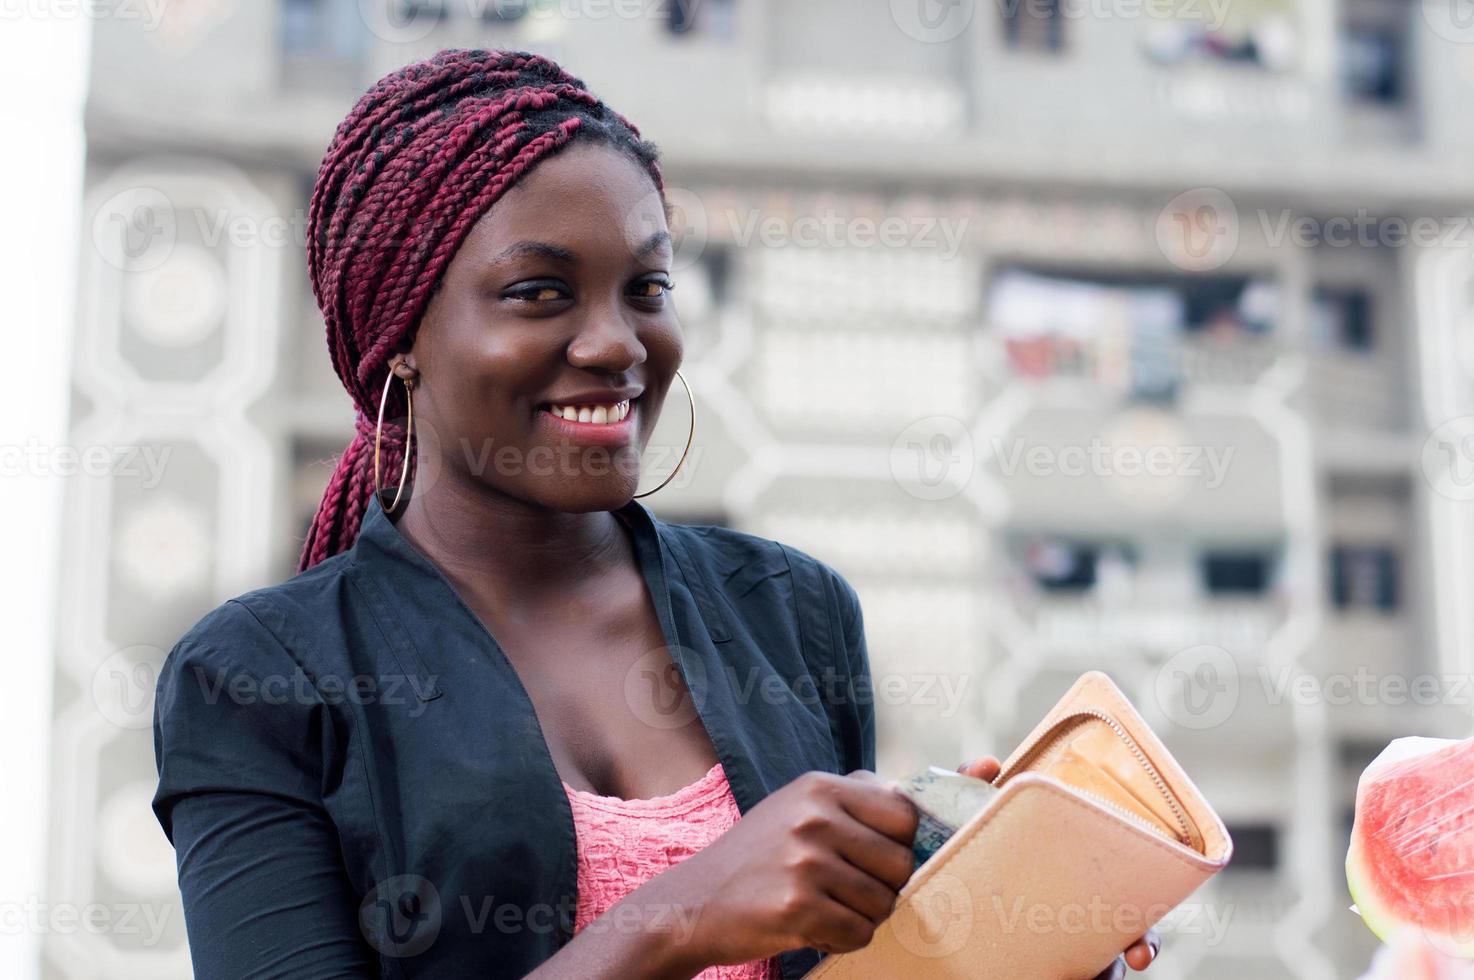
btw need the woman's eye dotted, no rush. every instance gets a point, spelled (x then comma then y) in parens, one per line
(537, 292)
(653, 288)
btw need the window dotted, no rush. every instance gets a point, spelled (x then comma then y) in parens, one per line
(1033, 25)
(1262, 35)
(1169, 328)
(322, 42)
(1341, 317)
(1364, 577)
(1374, 52)
(1255, 847)
(1235, 573)
(1372, 66)
(709, 18)
(1062, 565)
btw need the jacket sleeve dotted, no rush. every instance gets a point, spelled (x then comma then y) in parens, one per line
(238, 736)
(861, 691)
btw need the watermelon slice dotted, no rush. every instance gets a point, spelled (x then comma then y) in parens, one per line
(1411, 861)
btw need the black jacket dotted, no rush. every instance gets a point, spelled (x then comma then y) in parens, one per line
(356, 785)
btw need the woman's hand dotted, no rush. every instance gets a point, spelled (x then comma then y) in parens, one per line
(816, 863)
(1141, 953)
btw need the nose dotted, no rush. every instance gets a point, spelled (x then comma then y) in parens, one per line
(607, 340)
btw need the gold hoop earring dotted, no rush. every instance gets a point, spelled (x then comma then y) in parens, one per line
(408, 435)
(692, 399)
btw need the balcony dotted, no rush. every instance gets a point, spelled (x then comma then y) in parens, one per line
(1143, 338)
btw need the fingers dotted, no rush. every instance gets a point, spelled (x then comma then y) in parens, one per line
(836, 928)
(985, 768)
(1115, 971)
(888, 861)
(877, 804)
(858, 890)
(1144, 951)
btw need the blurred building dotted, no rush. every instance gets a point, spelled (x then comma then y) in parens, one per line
(1074, 334)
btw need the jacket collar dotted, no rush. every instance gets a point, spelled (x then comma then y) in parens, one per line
(404, 584)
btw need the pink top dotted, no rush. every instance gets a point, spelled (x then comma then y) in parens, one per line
(623, 843)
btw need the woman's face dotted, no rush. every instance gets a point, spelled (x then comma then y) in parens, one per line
(557, 300)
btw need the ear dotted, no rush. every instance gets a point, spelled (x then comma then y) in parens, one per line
(402, 365)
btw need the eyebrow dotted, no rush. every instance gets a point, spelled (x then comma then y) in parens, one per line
(547, 250)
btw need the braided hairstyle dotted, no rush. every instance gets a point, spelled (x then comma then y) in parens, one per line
(422, 155)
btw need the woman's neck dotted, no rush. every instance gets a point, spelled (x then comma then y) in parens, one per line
(496, 541)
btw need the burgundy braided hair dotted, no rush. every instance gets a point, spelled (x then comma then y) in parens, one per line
(417, 161)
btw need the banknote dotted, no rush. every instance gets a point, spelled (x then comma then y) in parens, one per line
(945, 800)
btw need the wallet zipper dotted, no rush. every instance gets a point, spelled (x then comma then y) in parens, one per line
(1185, 837)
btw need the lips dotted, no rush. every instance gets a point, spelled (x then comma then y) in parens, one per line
(616, 428)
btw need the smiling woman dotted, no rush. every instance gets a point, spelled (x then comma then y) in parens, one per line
(509, 723)
(504, 720)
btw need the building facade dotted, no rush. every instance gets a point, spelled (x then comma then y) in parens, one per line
(1110, 335)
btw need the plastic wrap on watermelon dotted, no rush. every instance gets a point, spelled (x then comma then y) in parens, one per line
(1410, 867)
(1411, 957)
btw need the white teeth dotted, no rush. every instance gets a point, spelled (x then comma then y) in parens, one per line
(595, 414)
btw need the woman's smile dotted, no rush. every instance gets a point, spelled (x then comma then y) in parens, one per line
(598, 423)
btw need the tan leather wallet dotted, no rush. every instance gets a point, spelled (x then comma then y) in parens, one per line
(1095, 835)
